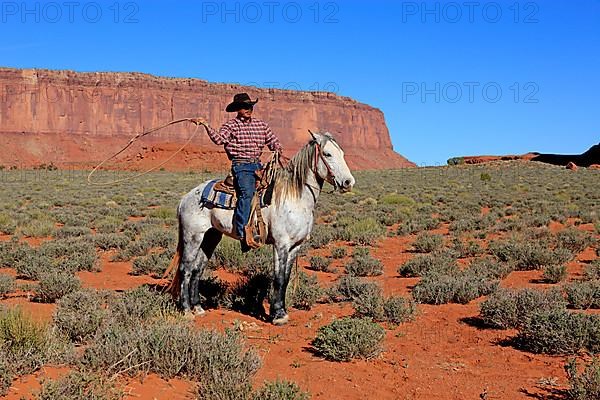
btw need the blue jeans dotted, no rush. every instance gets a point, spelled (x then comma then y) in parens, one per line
(245, 186)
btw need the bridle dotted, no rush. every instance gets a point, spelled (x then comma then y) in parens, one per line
(319, 154)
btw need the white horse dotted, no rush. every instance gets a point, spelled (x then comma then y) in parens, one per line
(289, 221)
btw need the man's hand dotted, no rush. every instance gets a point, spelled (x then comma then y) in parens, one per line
(199, 121)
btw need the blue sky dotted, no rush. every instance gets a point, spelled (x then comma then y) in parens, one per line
(452, 78)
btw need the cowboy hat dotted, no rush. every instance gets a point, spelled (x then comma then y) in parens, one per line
(240, 100)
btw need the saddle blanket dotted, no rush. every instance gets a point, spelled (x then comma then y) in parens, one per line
(216, 198)
(224, 200)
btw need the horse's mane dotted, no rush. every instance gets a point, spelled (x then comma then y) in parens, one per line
(290, 180)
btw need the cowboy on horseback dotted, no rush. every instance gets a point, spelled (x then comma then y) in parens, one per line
(243, 138)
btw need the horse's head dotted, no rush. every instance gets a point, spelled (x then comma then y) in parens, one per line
(330, 164)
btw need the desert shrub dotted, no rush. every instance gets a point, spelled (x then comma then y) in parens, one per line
(397, 309)
(39, 228)
(80, 261)
(71, 218)
(390, 215)
(512, 308)
(107, 224)
(527, 255)
(173, 348)
(557, 332)
(364, 231)
(364, 266)
(338, 252)
(592, 270)
(439, 263)
(139, 304)
(133, 249)
(361, 252)
(417, 224)
(303, 291)
(573, 239)
(348, 338)
(107, 241)
(32, 264)
(455, 161)
(350, 287)
(397, 199)
(25, 345)
(54, 284)
(584, 385)
(72, 254)
(158, 237)
(321, 236)
(583, 295)
(555, 273)
(428, 242)
(318, 263)
(469, 249)
(79, 385)
(229, 256)
(80, 314)
(470, 285)
(7, 284)
(154, 264)
(370, 303)
(458, 287)
(72, 231)
(22, 346)
(280, 390)
(13, 251)
(7, 224)
(490, 268)
(149, 238)
(163, 212)
(468, 224)
(6, 374)
(19, 333)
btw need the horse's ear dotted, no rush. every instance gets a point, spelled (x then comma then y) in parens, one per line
(313, 135)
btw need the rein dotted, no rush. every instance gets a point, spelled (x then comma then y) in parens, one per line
(131, 141)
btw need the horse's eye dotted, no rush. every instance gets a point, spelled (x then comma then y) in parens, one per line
(326, 154)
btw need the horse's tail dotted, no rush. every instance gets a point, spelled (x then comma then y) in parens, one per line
(174, 286)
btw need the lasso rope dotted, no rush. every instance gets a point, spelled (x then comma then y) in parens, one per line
(131, 141)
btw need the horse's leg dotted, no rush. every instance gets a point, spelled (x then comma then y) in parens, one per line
(210, 240)
(284, 258)
(188, 269)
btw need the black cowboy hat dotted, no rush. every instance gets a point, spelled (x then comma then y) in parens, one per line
(240, 100)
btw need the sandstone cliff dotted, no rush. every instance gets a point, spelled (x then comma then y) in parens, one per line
(69, 118)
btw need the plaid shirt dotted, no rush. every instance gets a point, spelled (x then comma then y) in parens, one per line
(245, 139)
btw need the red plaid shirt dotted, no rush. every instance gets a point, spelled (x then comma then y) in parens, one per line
(245, 139)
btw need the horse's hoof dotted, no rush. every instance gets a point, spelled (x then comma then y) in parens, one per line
(189, 315)
(282, 320)
(199, 311)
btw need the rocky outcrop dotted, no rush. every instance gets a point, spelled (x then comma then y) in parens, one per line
(587, 159)
(70, 118)
(590, 157)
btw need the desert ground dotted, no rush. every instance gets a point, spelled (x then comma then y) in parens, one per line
(461, 282)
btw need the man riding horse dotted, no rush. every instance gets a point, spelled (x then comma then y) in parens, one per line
(243, 138)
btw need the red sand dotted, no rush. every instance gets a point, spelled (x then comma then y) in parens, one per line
(440, 355)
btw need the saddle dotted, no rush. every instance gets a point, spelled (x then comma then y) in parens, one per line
(227, 186)
(222, 194)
